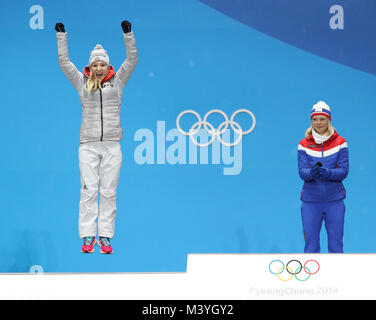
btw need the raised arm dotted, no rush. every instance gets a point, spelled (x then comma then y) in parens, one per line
(126, 69)
(69, 69)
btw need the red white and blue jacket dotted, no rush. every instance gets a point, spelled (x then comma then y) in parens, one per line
(334, 155)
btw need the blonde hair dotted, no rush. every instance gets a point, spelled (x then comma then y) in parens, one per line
(93, 84)
(328, 132)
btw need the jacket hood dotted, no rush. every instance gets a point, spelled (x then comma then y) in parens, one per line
(109, 76)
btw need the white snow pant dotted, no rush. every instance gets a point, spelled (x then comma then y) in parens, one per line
(100, 164)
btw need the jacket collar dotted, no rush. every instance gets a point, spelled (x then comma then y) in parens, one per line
(334, 135)
(109, 76)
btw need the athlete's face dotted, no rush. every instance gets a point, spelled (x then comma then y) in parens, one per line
(100, 69)
(320, 124)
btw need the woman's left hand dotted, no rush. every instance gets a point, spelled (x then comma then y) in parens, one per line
(325, 173)
(126, 26)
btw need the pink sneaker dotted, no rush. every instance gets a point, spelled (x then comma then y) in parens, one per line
(105, 245)
(88, 246)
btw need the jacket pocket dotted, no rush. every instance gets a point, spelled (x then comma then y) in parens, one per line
(343, 190)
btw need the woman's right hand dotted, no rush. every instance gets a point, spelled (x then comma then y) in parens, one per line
(315, 171)
(59, 27)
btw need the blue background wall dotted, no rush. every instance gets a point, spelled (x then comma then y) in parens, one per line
(276, 58)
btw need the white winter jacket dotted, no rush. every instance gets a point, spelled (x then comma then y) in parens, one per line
(101, 108)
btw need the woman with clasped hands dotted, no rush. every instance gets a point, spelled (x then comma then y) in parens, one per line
(323, 161)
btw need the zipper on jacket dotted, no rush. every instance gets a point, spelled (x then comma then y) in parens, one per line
(100, 93)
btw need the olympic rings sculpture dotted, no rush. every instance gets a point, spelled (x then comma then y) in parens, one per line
(220, 130)
(292, 272)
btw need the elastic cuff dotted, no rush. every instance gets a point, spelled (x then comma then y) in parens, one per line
(87, 235)
(61, 35)
(130, 33)
(106, 236)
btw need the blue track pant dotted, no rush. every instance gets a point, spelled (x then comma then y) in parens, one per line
(333, 213)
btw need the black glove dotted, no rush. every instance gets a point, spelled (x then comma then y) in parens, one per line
(126, 25)
(318, 163)
(59, 27)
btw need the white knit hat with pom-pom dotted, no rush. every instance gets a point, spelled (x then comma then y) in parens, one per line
(99, 54)
(321, 108)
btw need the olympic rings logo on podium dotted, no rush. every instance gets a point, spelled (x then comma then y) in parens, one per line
(220, 130)
(293, 271)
